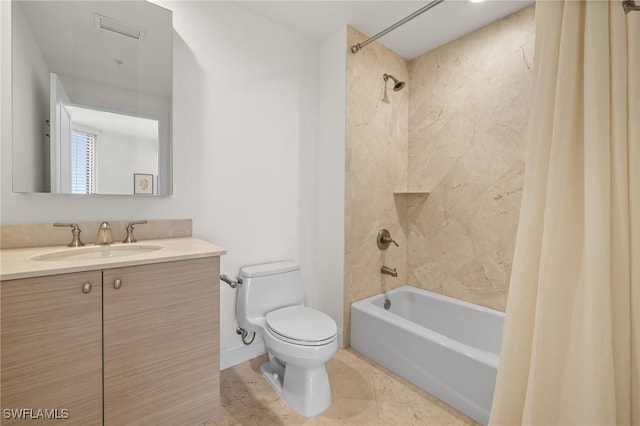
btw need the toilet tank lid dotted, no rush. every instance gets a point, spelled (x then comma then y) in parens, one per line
(271, 268)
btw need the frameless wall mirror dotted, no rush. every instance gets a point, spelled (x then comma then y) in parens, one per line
(92, 87)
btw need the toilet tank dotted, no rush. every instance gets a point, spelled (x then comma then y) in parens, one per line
(265, 288)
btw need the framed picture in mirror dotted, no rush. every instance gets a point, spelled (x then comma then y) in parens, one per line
(142, 183)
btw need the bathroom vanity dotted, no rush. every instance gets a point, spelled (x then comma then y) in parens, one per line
(116, 335)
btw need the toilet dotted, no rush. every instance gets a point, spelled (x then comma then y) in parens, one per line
(299, 339)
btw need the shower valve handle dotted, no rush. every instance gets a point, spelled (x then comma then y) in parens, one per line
(384, 239)
(388, 240)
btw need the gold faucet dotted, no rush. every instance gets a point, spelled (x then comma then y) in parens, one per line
(75, 242)
(104, 235)
(129, 229)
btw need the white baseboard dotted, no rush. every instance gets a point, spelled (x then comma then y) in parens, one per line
(340, 345)
(239, 353)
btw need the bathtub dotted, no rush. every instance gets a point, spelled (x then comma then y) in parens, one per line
(445, 346)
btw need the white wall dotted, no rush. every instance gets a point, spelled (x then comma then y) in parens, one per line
(328, 294)
(31, 100)
(257, 130)
(245, 151)
(119, 156)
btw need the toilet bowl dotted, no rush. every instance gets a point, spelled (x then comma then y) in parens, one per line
(299, 340)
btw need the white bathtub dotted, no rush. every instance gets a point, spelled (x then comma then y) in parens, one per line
(445, 346)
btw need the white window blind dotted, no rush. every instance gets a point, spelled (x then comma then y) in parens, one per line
(83, 162)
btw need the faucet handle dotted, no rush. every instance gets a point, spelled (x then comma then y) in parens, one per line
(129, 228)
(75, 242)
(138, 222)
(71, 225)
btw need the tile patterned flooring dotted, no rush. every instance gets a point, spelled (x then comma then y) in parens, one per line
(362, 392)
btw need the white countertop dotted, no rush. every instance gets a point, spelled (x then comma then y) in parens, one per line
(19, 263)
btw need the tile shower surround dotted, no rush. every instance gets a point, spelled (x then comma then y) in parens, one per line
(377, 137)
(456, 131)
(469, 108)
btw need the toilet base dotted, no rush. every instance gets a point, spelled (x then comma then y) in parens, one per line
(273, 371)
(305, 390)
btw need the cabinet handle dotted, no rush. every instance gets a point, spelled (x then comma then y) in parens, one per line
(86, 288)
(117, 283)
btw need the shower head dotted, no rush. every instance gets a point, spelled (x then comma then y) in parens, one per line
(397, 86)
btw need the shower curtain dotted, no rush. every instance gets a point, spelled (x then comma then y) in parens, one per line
(571, 346)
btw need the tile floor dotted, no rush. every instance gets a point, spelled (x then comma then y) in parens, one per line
(362, 392)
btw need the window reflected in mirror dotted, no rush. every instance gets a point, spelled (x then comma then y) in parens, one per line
(83, 162)
(108, 148)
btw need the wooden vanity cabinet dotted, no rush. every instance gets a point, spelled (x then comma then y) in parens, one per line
(52, 348)
(140, 348)
(161, 344)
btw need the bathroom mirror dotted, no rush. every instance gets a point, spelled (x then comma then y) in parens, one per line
(91, 97)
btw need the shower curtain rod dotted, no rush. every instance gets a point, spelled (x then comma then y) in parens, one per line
(357, 47)
(630, 6)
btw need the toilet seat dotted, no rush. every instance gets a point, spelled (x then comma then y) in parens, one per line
(301, 325)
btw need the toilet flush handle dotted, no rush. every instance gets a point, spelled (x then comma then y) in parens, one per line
(232, 283)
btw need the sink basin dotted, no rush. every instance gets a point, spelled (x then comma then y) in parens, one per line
(95, 252)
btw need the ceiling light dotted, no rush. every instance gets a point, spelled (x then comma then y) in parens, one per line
(118, 27)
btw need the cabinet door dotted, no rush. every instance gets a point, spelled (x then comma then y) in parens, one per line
(52, 349)
(161, 343)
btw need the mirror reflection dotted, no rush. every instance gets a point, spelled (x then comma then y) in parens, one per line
(91, 96)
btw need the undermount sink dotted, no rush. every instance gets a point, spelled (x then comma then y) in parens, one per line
(96, 252)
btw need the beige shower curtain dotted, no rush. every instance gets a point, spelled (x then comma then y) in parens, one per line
(571, 347)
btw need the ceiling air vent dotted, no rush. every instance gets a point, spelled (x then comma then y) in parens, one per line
(118, 27)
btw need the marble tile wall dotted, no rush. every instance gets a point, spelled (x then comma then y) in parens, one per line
(469, 106)
(377, 137)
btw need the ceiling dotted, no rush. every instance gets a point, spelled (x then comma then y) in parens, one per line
(71, 44)
(318, 20)
(136, 128)
(312, 19)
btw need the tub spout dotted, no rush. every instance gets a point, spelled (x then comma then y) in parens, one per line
(388, 271)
